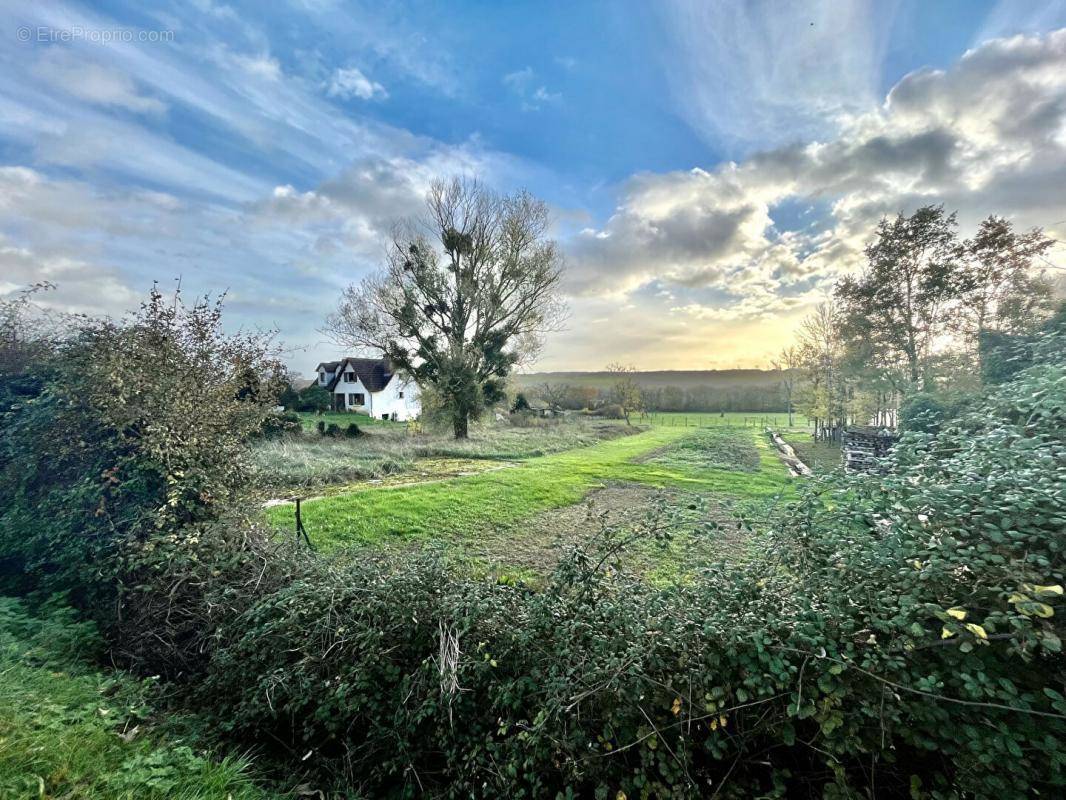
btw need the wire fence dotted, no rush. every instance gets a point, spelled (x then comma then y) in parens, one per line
(732, 419)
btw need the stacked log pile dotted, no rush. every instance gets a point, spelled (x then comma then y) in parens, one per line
(865, 447)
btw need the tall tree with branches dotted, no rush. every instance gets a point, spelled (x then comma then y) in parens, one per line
(465, 294)
(625, 390)
(897, 304)
(1000, 289)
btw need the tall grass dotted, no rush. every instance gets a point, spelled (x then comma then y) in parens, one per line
(313, 460)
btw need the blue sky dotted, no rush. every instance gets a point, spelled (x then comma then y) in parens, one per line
(712, 167)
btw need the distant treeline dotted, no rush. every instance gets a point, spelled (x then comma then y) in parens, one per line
(765, 396)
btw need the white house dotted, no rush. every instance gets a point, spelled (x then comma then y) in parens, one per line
(369, 386)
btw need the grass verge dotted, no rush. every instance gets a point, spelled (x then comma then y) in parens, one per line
(68, 731)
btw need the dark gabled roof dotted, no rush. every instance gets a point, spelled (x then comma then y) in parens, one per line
(374, 373)
(329, 365)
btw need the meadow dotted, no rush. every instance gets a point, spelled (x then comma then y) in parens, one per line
(511, 500)
(391, 448)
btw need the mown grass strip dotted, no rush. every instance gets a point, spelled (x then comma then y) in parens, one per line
(466, 505)
(69, 731)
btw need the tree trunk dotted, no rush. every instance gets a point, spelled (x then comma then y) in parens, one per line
(461, 425)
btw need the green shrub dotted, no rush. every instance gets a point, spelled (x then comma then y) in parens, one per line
(313, 398)
(320, 426)
(903, 629)
(520, 404)
(609, 411)
(352, 431)
(922, 412)
(284, 424)
(140, 428)
(333, 430)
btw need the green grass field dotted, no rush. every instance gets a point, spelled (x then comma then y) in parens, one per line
(705, 419)
(289, 463)
(70, 731)
(464, 506)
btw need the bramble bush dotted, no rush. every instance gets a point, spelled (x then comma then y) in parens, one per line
(900, 634)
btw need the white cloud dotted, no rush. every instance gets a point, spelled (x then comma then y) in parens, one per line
(519, 80)
(985, 136)
(767, 72)
(523, 84)
(93, 82)
(81, 287)
(351, 82)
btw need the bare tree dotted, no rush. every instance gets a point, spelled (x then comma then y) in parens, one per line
(555, 395)
(466, 293)
(624, 389)
(787, 363)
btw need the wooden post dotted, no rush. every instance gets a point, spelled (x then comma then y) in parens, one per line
(301, 532)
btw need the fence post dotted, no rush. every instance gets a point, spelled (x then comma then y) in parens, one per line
(301, 532)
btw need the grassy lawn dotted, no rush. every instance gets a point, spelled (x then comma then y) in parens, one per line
(310, 420)
(69, 731)
(466, 505)
(703, 419)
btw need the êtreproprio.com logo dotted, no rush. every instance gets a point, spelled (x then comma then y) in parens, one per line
(79, 33)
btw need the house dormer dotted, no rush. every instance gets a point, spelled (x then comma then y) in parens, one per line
(326, 370)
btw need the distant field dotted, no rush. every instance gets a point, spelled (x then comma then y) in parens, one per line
(703, 419)
(715, 378)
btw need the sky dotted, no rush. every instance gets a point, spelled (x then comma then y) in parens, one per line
(712, 168)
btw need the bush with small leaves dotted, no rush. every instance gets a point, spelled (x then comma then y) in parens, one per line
(352, 431)
(138, 428)
(898, 633)
(286, 423)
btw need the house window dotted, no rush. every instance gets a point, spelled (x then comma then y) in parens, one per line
(401, 395)
(356, 400)
(349, 376)
(321, 377)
